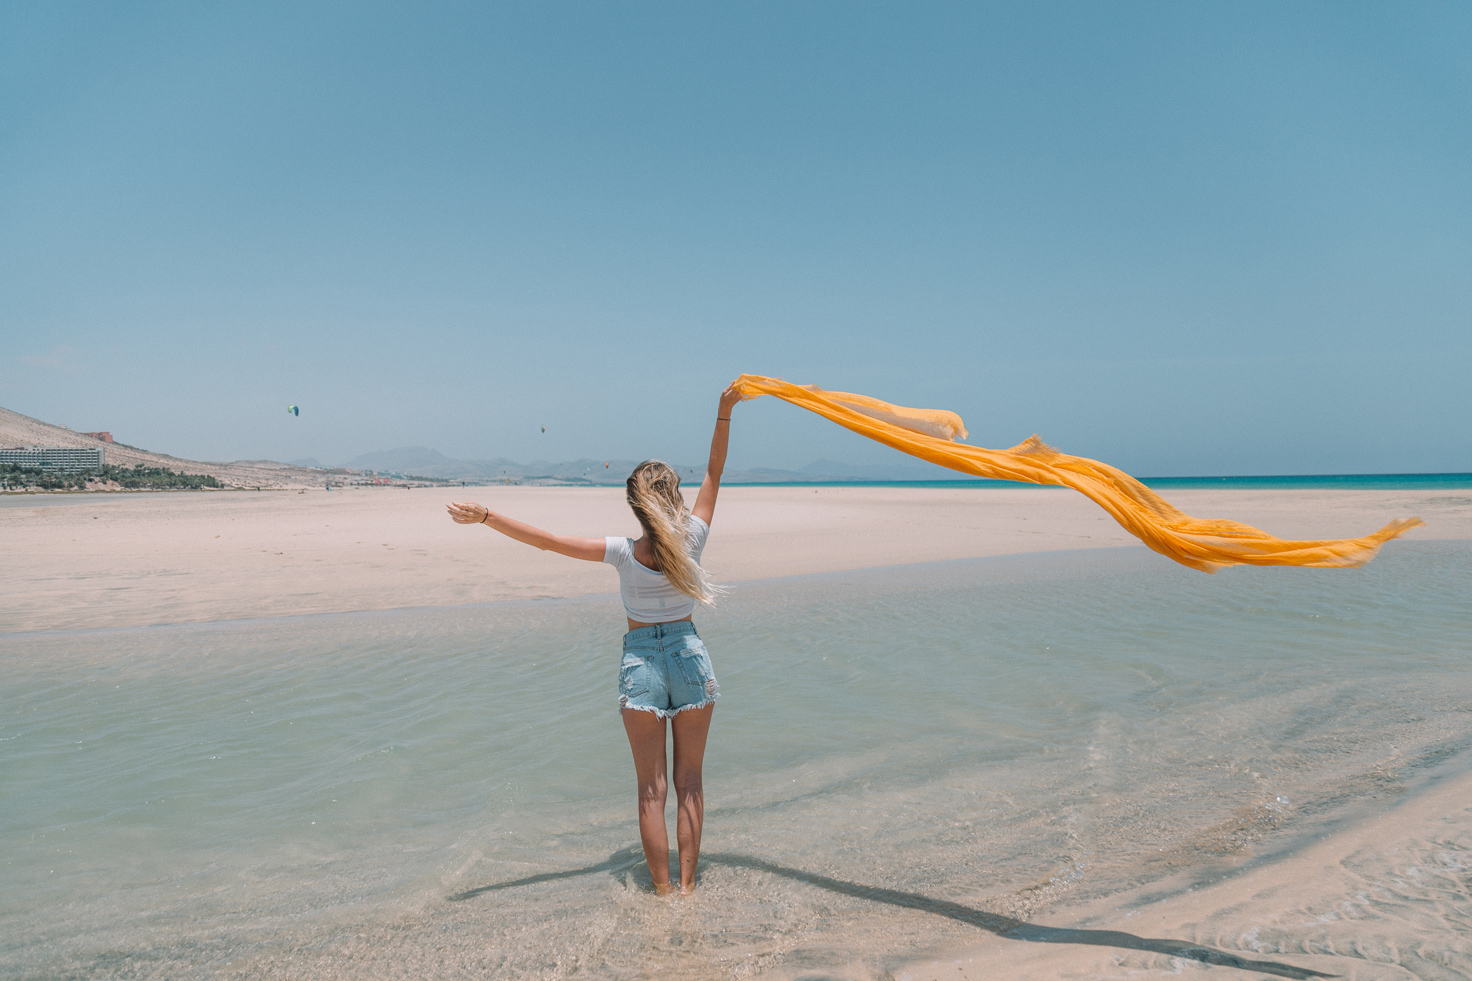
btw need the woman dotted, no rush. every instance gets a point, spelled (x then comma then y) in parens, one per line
(666, 672)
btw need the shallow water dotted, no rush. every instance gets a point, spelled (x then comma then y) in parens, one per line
(1346, 481)
(438, 793)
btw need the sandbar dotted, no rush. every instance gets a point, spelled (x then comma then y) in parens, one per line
(122, 560)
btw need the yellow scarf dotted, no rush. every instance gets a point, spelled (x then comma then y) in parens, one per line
(1206, 545)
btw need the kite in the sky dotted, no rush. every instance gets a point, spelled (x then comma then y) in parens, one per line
(544, 429)
(292, 410)
(1204, 544)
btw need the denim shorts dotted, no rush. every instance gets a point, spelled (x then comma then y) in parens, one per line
(666, 670)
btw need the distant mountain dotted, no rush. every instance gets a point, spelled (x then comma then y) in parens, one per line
(425, 462)
(21, 430)
(833, 470)
(404, 458)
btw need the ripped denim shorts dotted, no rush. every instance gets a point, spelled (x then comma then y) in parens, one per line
(666, 670)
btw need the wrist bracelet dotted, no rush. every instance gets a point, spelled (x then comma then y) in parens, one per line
(486, 518)
(723, 418)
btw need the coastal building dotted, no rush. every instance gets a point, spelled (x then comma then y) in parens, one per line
(105, 437)
(62, 459)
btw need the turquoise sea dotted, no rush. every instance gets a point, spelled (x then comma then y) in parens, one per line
(902, 759)
(1346, 481)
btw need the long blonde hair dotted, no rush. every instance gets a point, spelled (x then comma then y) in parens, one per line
(654, 494)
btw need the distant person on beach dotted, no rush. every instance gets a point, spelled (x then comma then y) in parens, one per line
(666, 672)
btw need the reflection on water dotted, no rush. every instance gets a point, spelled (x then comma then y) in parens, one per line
(900, 759)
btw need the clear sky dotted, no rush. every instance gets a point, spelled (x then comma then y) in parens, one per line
(1184, 238)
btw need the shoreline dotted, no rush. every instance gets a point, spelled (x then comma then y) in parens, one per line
(1450, 481)
(611, 596)
(606, 596)
(80, 561)
(1315, 898)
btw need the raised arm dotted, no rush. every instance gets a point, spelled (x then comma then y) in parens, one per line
(470, 513)
(705, 501)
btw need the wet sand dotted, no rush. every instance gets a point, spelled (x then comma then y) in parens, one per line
(99, 560)
(1375, 900)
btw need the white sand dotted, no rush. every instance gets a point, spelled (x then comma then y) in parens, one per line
(115, 560)
(1393, 888)
(79, 561)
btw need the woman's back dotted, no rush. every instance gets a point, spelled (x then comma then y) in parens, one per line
(648, 595)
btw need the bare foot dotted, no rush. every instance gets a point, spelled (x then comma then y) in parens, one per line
(687, 890)
(664, 888)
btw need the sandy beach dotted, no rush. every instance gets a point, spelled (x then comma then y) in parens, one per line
(98, 560)
(1371, 897)
(1327, 910)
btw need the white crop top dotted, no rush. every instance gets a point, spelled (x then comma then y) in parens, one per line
(648, 596)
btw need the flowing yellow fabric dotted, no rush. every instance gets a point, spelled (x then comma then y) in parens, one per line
(1207, 545)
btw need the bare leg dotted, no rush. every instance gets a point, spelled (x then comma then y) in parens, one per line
(690, 729)
(646, 739)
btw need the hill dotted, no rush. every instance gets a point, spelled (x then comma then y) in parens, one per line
(22, 430)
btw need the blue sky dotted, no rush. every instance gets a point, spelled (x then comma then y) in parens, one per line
(1183, 238)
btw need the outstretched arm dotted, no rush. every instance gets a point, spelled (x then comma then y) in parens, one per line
(705, 501)
(470, 513)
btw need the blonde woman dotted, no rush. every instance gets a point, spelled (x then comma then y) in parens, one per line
(666, 672)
